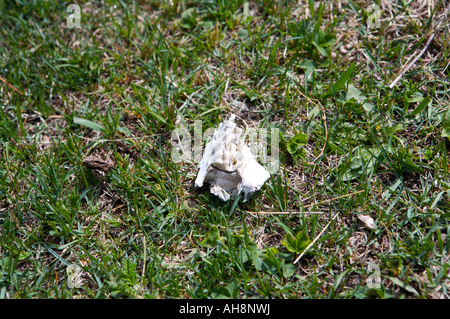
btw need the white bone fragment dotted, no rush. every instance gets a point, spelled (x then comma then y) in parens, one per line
(228, 164)
(367, 221)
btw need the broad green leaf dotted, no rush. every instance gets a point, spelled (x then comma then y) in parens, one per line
(323, 50)
(88, 124)
(354, 93)
(212, 237)
(256, 257)
(342, 80)
(309, 68)
(189, 18)
(243, 33)
(296, 143)
(230, 291)
(421, 106)
(404, 285)
(289, 270)
(296, 244)
(363, 160)
(409, 166)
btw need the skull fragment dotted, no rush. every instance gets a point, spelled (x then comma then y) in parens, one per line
(228, 164)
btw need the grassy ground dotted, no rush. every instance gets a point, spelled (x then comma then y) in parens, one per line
(353, 142)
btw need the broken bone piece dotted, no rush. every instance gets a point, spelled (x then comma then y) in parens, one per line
(367, 221)
(228, 164)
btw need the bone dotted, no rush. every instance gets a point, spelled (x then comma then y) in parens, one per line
(228, 164)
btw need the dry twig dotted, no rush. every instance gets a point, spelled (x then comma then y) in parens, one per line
(12, 87)
(427, 44)
(315, 239)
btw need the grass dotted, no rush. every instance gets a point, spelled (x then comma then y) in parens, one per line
(118, 86)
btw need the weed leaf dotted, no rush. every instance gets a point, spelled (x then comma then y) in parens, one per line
(297, 243)
(89, 124)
